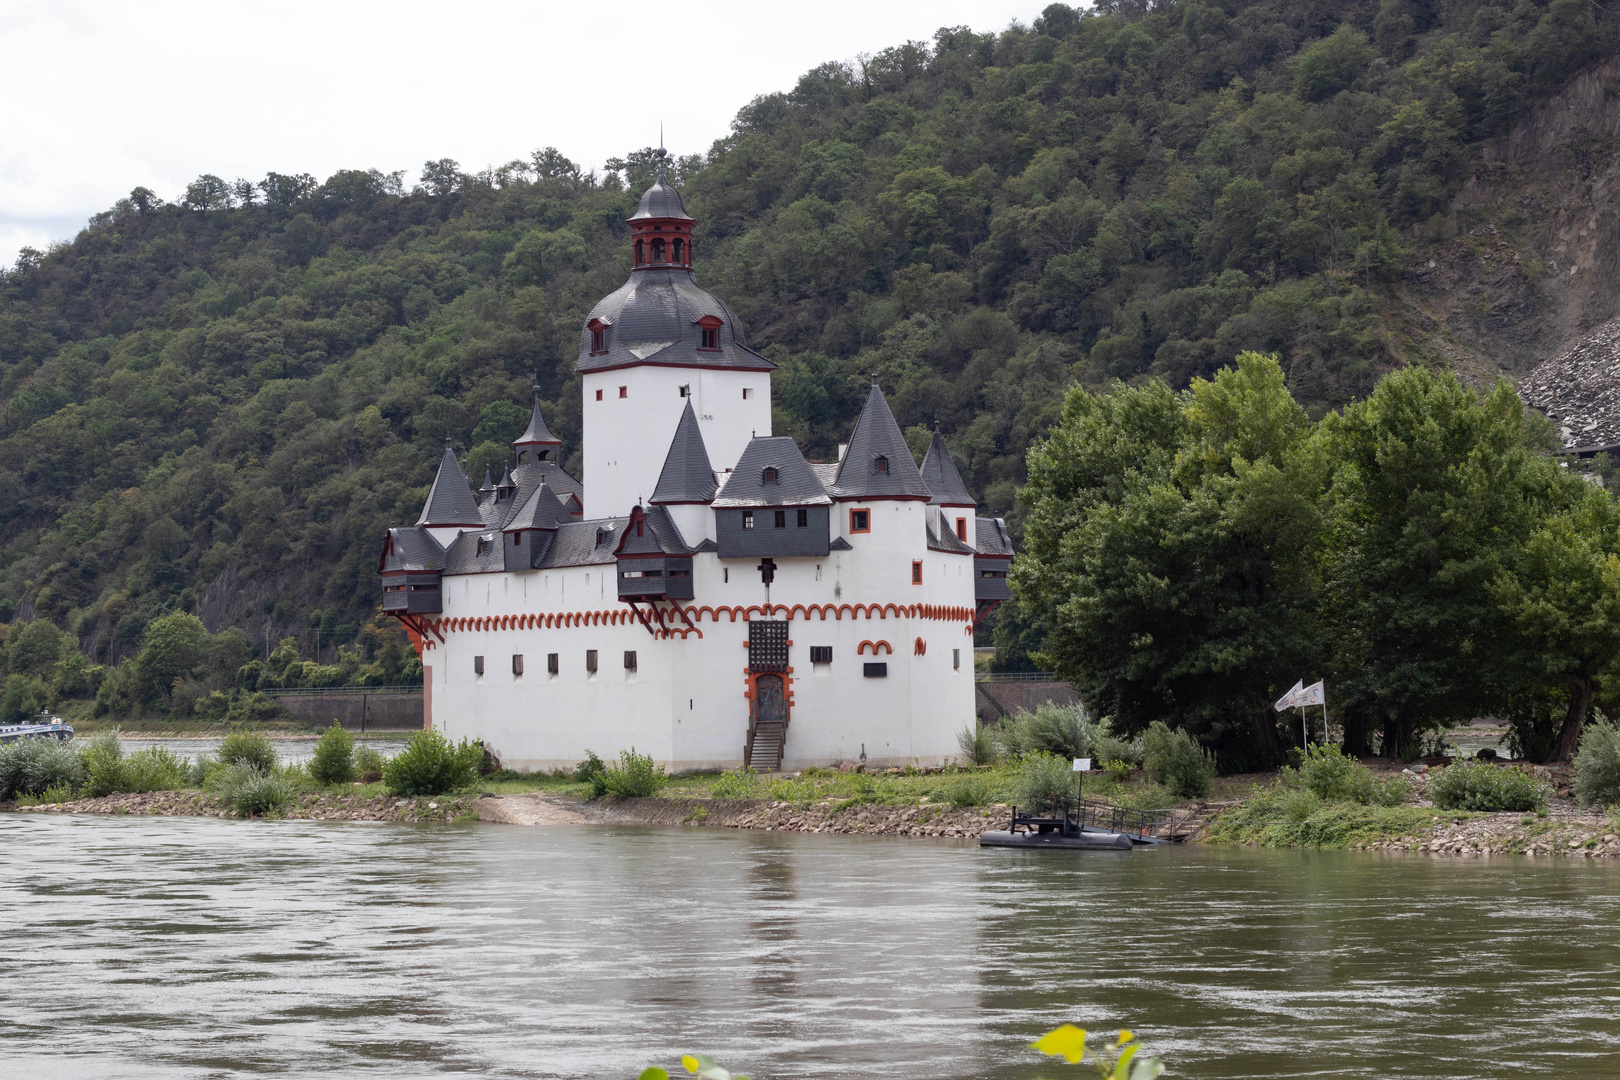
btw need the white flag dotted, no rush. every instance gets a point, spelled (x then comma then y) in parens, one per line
(1287, 700)
(1311, 695)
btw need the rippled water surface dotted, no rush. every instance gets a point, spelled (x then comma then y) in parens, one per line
(199, 947)
(387, 744)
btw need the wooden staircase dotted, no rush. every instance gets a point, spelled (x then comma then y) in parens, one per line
(763, 751)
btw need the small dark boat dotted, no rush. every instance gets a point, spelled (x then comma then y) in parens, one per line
(46, 727)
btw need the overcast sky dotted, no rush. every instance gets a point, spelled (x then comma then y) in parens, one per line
(99, 97)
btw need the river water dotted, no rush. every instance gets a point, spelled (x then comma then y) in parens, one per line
(177, 947)
(289, 750)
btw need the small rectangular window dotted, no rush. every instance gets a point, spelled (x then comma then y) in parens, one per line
(517, 539)
(875, 671)
(599, 395)
(624, 391)
(860, 521)
(517, 663)
(821, 654)
(629, 659)
(748, 519)
(711, 338)
(961, 528)
(781, 519)
(725, 575)
(478, 665)
(686, 391)
(916, 572)
(590, 661)
(956, 659)
(552, 666)
(748, 393)
(596, 341)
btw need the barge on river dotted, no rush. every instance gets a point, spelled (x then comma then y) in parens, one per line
(46, 727)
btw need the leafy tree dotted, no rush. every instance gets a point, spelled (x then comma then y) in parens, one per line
(173, 647)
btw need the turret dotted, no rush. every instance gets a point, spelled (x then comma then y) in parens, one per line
(687, 486)
(450, 504)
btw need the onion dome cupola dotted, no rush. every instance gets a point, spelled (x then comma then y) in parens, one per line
(537, 443)
(660, 315)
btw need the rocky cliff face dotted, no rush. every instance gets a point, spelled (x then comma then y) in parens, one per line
(1528, 263)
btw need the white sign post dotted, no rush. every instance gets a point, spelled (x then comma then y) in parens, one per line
(1082, 765)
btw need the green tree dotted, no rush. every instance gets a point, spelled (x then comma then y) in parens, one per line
(35, 648)
(172, 648)
(1433, 490)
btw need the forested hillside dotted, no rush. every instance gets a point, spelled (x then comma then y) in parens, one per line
(216, 404)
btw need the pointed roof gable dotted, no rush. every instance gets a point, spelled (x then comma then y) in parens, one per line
(487, 486)
(688, 477)
(450, 500)
(541, 510)
(793, 483)
(939, 473)
(537, 433)
(878, 464)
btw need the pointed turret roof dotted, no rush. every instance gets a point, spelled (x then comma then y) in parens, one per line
(488, 486)
(537, 432)
(541, 510)
(505, 483)
(878, 464)
(940, 474)
(688, 476)
(450, 501)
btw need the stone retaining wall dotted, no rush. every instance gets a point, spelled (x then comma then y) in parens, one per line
(998, 699)
(381, 711)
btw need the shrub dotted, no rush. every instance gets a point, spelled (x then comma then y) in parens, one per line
(971, 791)
(1329, 774)
(978, 744)
(1479, 785)
(1062, 730)
(1118, 771)
(1044, 779)
(201, 768)
(333, 762)
(1297, 804)
(368, 764)
(634, 775)
(734, 784)
(29, 766)
(1597, 765)
(249, 791)
(103, 764)
(431, 765)
(58, 793)
(589, 771)
(1176, 760)
(157, 768)
(1106, 747)
(244, 747)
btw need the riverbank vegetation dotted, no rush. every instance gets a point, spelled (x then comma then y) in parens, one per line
(1422, 549)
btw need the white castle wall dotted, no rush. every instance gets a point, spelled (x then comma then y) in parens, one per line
(684, 704)
(626, 439)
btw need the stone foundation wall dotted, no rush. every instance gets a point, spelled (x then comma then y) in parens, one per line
(998, 699)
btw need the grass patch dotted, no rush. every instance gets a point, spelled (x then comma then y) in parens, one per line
(1291, 816)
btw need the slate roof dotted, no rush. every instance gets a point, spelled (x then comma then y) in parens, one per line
(877, 436)
(688, 477)
(537, 432)
(826, 473)
(411, 548)
(659, 536)
(531, 474)
(942, 535)
(940, 474)
(990, 537)
(796, 483)
(450, 500)
(541, 510)
(661, 201)
(653, 318)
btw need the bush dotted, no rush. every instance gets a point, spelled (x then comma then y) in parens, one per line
(157, 768)
(971, 791)
(1044, 779)
(978, 744)
(734, 784)
(103, 764)
(249, 791)
(201, 769)
(635, 775)
(589, 771)
(1597, 765)
(1106, 747)
(431, 765)
(244, 747)
(368, 764)
(1176, 760)
(333, 762)
(1333, 777)
(29, 766)
(1479, 785)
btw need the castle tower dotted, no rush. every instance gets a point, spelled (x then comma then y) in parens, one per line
(654, 347)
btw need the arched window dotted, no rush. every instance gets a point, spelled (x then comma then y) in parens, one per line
(641, 253)
(880, 465)
(658, 249)
(679, 246)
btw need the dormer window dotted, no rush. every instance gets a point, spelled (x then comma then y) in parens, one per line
(598, 330)
(770, 475)
(601, 537)
(880, 465)
(709, 332)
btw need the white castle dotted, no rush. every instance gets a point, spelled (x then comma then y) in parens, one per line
(764, 609)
